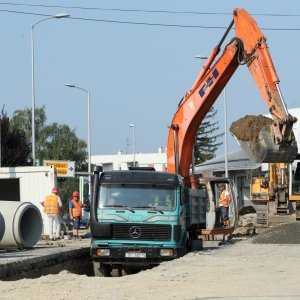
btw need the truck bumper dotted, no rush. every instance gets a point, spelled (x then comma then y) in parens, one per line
(137, 256)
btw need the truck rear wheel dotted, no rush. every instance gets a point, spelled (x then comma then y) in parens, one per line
(101, 270)
(197, 245)
(117, 272)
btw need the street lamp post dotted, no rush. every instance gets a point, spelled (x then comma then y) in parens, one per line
(57, 16)
(133, 145)
(89, 132)
(225, 123)
(0, 142)
(225, 134)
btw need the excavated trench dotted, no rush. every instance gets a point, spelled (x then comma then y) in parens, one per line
(80, 266)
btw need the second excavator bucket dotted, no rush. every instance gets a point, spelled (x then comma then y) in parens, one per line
(255, 135)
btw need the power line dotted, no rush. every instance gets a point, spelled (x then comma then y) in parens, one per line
(114, 9)
(117, 21)
(24, 13)
(143, 23)
(143, 10)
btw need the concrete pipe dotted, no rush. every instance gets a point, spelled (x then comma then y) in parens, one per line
(23, 224)
(2, 226)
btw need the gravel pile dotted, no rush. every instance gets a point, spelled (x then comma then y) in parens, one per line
(282, 234)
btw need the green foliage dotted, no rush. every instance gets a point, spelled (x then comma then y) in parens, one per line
(206, 143)
(15, 148)
(22, 120)
(54, 142)
(59, 142)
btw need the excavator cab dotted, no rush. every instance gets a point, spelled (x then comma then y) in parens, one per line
(214, 222)
(294, 187)
(295, 182)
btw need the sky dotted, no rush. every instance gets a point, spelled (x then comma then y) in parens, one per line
(135, 73)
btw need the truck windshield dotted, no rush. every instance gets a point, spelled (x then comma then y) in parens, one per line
(137, 196)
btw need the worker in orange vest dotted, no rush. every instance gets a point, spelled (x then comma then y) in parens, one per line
(224, 202)
(75, 210)
(52, 207)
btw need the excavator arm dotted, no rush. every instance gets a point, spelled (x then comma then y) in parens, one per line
(247, 47)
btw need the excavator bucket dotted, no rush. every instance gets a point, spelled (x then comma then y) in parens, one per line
(255, 135)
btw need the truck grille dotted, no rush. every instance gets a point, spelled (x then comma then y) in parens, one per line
(141, 232)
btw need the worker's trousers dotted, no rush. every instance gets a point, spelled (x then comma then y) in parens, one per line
(225, 211)
(54, 220)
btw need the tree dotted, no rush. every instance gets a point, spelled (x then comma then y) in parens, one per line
(54, 142)
(22, 119)
(59, 142)
(206, 142)
(15, 149)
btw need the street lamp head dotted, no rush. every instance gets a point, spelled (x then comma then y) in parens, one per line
(70, 85)
(201, 56)
(77, 87)
(61, 15)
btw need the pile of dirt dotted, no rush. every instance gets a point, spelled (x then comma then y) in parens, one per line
(244, 210)
(248, 127)
(282, 234)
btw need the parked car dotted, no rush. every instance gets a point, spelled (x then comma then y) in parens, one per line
(68, 223)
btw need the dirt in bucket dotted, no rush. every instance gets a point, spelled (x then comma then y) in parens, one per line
(248, 127)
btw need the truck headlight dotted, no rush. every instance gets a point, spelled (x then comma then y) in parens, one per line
(103, 252)
(166, 252)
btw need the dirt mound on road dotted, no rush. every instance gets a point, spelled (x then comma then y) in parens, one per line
(248, 127)
(282, 234)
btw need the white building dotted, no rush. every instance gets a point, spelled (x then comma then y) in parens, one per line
(122, 161)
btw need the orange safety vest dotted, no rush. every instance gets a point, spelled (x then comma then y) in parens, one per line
(51, 205)
(77, 210)
(224, 201)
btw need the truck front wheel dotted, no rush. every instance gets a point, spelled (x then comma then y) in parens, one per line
(131, 271)
(101, 270)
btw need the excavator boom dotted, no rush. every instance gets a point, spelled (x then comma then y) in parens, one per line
(247, 47)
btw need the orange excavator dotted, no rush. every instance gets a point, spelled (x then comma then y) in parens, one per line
(249, 47)
(275, 143)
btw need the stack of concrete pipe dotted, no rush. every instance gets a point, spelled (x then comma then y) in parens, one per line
(21, 224)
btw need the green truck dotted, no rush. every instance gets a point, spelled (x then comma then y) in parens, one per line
(142, 217)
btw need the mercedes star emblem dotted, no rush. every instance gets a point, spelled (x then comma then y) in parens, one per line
(135, 232)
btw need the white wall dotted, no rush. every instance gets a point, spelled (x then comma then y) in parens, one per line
(123, 161)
